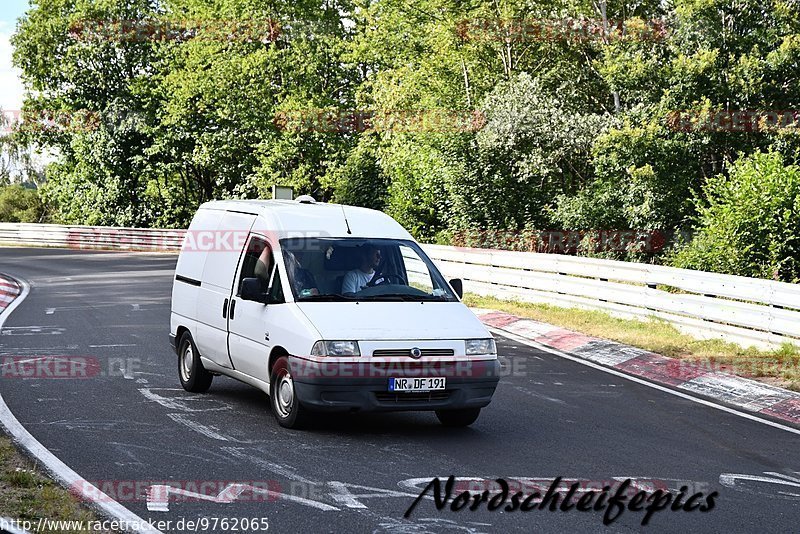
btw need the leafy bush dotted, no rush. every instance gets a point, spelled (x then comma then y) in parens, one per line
(419, 175)
(20, 204)
(534, 145)
(360, 181)
(749, 224)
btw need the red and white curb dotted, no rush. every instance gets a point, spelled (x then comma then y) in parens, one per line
(9, 290)
(743, 393)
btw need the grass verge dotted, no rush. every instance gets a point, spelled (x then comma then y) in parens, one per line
(26, 494)
(780, 367)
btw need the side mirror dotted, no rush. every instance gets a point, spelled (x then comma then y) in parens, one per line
(458, 287)
(251, 290)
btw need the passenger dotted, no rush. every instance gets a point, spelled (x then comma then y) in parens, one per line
(304, 283)
(263, 266)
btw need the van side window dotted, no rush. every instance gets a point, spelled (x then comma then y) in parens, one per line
(258, 262)
(276, 290)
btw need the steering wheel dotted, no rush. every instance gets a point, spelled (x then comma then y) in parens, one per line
(385, 277)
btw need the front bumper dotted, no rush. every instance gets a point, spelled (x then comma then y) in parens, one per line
(364, 386)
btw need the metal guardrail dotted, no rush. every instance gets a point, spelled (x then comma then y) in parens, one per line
(744, 310)
(90, 237)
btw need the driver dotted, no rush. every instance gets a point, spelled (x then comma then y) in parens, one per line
(357, 279)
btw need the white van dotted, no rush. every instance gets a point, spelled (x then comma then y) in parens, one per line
(325, 307)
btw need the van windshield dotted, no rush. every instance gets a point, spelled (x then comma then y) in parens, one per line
(343, 269)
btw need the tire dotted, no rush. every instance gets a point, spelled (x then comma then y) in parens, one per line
(286, 408)
(455, 418)
(193, 375)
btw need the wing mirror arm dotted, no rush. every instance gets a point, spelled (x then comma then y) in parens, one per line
(458, 287)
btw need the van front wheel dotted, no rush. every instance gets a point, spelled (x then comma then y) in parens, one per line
(193, 375)
(283, 396)
(462, 417)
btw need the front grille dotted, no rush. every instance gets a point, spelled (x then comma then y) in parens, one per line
(417, 396)
(400, 353)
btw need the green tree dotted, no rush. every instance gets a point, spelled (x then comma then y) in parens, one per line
(95, 82)
(748, 222)
(20, 204)
(534, 146)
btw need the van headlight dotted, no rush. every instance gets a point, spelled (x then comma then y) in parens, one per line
(335, 348)
(476, 347)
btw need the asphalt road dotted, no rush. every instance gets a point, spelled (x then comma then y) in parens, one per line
(131, 425)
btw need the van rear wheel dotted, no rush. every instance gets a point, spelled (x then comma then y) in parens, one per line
(283, 397)
(193, 375)
(462, 417)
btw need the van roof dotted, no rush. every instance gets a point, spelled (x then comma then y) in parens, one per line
(290, 218)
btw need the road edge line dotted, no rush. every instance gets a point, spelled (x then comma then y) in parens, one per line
(61, 472)
(632, 378)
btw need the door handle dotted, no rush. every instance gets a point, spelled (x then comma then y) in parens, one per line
(233, 307)
(225, 309)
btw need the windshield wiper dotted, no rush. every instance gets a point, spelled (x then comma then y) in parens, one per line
(405, 297)
(323, 298)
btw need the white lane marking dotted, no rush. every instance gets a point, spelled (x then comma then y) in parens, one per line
(215, 456)
(31, 330)
(197, 427)
(614, 372)
(52, 349)
(538, 395)
(787, 477)
(69, 478)
(178, 403)
(49, 311)
(278, 469)
(346, 498)
(113, 345)
(91, 425)
(158, 497)
(729, 480)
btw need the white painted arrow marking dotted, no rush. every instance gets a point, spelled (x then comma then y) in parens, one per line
(158, 497)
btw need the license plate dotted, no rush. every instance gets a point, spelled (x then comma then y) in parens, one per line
(416, 384)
